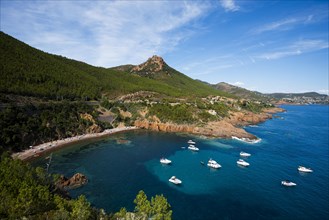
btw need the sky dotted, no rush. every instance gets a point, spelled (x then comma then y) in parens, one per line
(266, 46)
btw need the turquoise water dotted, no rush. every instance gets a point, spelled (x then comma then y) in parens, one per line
(117, 170)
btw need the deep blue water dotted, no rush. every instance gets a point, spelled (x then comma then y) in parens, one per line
(117, 171)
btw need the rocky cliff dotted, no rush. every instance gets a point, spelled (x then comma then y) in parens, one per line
(75, 181)
(225, 128)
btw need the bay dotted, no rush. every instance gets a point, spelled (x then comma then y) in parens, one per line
(119, 166)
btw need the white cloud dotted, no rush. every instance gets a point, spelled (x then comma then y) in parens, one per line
(323, 91)
(238, 84)
(104, 33)
(229, 5)
(297, 48)
(277, 25)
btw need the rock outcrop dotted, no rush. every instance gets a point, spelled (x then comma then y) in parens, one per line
(225, 128)
(75, 181)
(94, 128)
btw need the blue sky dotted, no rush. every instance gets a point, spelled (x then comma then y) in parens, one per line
(268, 46)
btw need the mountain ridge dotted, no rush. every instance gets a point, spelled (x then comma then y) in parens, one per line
(28, 71)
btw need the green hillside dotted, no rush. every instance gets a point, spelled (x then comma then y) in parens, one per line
(240, 92)
(30, 72)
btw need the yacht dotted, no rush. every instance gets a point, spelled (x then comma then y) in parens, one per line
(175, 180)
(191, 142)
(244, 154)
(304, 169)
(213, 164)
(192, 147)
(288, 183)
(165, 161)
(242, 163)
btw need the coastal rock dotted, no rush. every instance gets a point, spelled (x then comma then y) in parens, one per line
(214, 129)
(94, 128)
(225, 128)
(75, 181)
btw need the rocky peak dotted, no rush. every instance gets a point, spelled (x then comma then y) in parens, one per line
(152, 65)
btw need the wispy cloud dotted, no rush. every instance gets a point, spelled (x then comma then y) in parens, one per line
(229, 5)
(297, 48)
(104, 33)
(285, 24)
(290, 22)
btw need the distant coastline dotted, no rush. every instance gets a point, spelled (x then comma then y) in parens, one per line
(35, 151)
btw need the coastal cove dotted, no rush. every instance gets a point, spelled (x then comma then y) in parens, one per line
(120, 165)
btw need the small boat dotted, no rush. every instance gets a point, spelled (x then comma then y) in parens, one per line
(175, 180)
(213, 164)
(202, 163)
(193, 148)
(165, 161)
(288, 183)
(242, 163)
(183, 147)
(191, 142)
(244, 154)
(304, 169)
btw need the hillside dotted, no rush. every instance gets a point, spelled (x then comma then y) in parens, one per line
(30, 72)
(281, 98)
(240, 92)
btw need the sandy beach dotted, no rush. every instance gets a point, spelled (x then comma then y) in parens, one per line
(35, 151)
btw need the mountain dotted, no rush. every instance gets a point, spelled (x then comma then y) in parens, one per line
(157, 69)
(240, 92)
(295, 98)
(299, 95)
(27, 71)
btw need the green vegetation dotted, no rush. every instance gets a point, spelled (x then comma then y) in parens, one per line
(35, 124)
(30, 72)
(181, 113)
(30, 193)
(255, 107)
(158, 208)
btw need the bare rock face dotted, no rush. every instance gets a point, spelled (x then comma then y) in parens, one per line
(213, 129)
(75, 181)
(225, 128)
(154, 68)
(153, 64)
(94, 128)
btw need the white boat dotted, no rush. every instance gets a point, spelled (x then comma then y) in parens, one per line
(244, 154)
(288, 183)
(175, 180)
(304, 169)
(213, 164)
(191, 142)
(242, 163)
(192, 147)
(165, 161)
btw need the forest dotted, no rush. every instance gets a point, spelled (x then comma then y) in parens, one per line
(38, 123)
(31, 193)
(30, 72)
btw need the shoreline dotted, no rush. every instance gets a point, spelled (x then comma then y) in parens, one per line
(36, 151)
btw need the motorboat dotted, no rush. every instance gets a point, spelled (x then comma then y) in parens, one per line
(242, 163)
(165, 161)
(175, 180)
(304, 169)
(202, 163)
(244, 154)
(192, 147)
(288, 183)
(213, 164)
(191, 142)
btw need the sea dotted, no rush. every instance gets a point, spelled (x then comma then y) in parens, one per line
(121, 165)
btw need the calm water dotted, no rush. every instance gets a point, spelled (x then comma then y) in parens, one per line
(121, 165)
